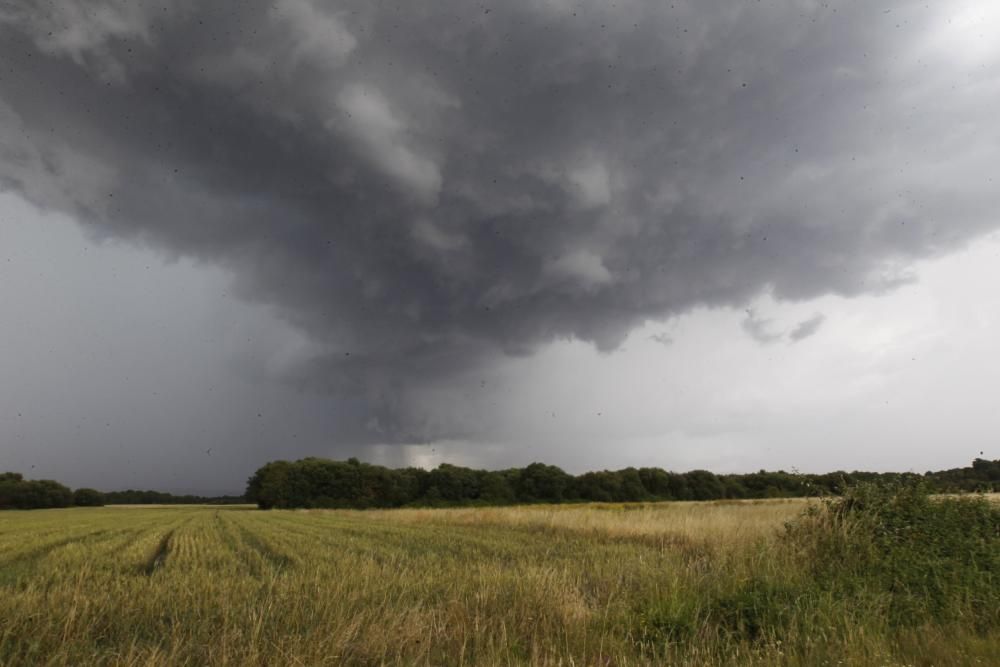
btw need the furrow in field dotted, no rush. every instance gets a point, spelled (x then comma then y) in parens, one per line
(159, 556)
(12, 547)
(327, 539)
(486, 541)
(23, 564)
(386, 544)
(247, 560)
(256, 550)
(75, 559)
(289, 539)
(33, 551)
(147, 553)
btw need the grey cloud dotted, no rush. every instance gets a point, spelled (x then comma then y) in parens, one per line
(662, 338)
(423, 187)
(806, 328)
(759, 328)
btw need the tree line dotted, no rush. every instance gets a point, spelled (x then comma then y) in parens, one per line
(136, 497)
(16, 492)
(314, 482)
(323, 483)
(19, 493)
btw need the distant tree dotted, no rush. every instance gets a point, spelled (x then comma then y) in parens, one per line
(632, 489)
(679, 487)
(268, 486)
(597, 486)
(137, 497)
(734, 487)
(496, 489)
(88, 498)
(986, 470)
(656, 482)
(455, 484)
(704, 485)
(542, 483)
(19, 493)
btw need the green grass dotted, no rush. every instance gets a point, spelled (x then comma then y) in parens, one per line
(882, 579)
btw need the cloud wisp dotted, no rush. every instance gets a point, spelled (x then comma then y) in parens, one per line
(806, 328)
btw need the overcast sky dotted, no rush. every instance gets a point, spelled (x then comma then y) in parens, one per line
(712, 234)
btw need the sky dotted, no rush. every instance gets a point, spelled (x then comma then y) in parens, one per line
(704, 234)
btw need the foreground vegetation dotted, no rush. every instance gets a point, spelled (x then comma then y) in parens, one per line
(879, 577)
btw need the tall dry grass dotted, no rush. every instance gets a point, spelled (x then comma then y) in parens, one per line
(715, 523)
(673, 583)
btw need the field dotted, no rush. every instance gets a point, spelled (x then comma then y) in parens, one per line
(669, 583)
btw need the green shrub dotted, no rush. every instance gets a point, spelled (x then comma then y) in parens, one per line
(884, 559)
(929, 559)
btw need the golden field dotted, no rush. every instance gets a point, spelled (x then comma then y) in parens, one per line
(662, 583)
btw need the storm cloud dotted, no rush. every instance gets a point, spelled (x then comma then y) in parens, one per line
(421, 188)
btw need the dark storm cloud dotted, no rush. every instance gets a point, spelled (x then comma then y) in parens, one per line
(422, 187)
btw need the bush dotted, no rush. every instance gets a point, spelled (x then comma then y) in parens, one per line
(885, 558)
(927, 559)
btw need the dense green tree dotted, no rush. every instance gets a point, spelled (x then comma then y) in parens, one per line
(734, 487)
(322, 483)
(704, 485)
(19, 493)
(315, 482)
(137, 497)
(543, 483)
(496, 488)
(268, 485)
(455, 484)
(657, 483)
(88, 498)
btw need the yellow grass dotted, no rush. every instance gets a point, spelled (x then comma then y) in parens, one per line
(715, 523)
(564, 585)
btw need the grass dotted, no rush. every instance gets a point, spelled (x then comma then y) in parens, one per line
(788, 582)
